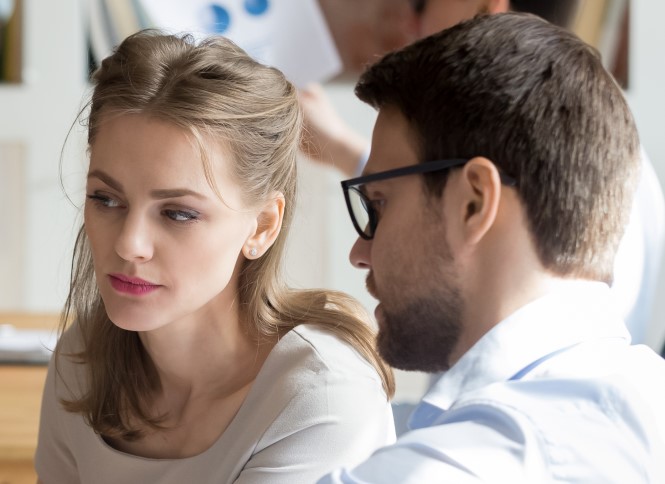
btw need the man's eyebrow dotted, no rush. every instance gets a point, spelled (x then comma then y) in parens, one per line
(159, 194)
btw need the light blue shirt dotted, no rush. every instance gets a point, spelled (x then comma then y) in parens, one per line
(553, 393)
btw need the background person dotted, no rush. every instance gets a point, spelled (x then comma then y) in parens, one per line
(502, 170)
(188, 359)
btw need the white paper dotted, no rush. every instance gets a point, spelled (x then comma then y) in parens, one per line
(303, 48)
(291, 35)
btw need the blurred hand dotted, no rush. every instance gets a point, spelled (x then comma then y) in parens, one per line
(327, 139)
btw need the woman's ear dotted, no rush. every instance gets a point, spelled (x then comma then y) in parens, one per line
(481, 192)
(268, 225)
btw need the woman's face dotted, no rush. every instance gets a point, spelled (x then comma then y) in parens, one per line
(165, 246)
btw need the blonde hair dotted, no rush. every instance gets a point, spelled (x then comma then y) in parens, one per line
(210, 89)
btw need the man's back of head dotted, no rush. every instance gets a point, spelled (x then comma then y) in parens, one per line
(536, 101)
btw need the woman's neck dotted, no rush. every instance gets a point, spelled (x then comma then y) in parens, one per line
(209, 355)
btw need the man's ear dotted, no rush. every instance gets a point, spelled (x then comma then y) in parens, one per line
(480, 192)
(268, 225)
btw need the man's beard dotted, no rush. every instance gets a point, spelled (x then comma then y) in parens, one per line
(422, 334)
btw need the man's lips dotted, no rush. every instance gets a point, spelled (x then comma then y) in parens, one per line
(371, 286)
(378, 314)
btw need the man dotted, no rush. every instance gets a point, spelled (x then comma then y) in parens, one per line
(502, 170)
(330, 141)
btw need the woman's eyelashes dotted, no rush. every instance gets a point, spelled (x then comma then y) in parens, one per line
(184, 216)
(178, 215)
(104, 200)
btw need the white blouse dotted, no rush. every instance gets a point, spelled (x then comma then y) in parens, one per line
(315, 405)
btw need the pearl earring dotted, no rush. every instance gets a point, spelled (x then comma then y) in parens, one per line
(252, 252)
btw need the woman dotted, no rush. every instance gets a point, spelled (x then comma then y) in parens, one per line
(189, 361)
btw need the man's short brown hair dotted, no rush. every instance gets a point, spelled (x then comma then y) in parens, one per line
(534, 99)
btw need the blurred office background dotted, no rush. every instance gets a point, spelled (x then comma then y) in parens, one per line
(47, 51)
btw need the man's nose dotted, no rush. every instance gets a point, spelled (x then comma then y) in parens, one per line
(360, 254)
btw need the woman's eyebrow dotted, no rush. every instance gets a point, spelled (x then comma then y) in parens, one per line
(106, 178)
(159, 194)
(175, 193)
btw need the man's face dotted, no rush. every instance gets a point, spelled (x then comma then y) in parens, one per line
(411, 269)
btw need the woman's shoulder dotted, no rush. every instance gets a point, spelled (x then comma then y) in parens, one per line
(336, 353)
(318, 350)
(315, 405)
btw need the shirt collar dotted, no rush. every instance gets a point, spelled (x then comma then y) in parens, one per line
(574, 312)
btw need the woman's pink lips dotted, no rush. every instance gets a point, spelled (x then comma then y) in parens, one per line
(132, 285)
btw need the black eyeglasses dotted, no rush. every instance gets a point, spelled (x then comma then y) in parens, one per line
(362, 210)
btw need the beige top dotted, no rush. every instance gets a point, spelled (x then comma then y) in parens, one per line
(315, 405)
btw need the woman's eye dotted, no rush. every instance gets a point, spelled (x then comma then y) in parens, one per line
(181, 215)
(104, 201)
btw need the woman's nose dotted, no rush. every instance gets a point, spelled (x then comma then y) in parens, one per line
(135, 241)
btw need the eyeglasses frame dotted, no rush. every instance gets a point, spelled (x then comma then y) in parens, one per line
(417, 169)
